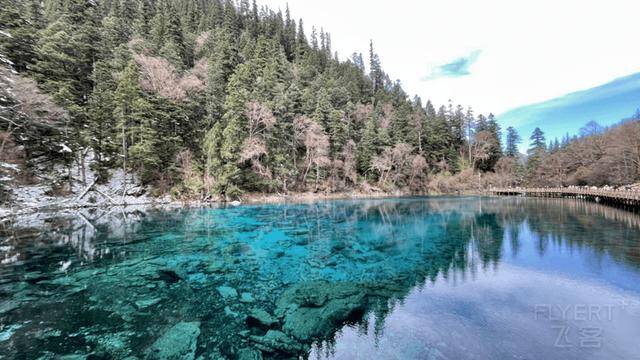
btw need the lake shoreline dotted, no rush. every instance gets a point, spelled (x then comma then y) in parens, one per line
(68, 204)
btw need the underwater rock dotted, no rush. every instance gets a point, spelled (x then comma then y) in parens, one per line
(143, 304)
(229, 312)
(65, 280)
(8, 331)
(76, 290)
(227, 292)
(178, 343)
(8, 306)
(197, 278)
(315, 294)
(277, 341)
(312, 310)
(306, 323)
(125, 312)
(249, 354)
(261, 318)
(216, 266)
(246, 297)
(111, 346)
(47, 333)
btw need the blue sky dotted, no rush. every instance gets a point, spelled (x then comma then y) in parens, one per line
(606, 104)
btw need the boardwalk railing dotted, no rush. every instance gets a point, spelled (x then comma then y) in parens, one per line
(622, 197)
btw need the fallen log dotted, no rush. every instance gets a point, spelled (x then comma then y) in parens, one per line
(84, 193)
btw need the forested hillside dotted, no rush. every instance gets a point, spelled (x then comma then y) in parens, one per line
(202, 98)
(597, 157)
(210, 99)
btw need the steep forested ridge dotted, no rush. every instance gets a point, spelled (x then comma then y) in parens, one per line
(202, 98)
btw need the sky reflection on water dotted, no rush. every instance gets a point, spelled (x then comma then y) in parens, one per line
(561, 293)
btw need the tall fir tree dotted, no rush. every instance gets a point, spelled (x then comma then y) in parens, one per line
(18, 37)
(513, 139)
(129, 113)
(101, 115)
(538, 141)
(368, 145)
(537, 149)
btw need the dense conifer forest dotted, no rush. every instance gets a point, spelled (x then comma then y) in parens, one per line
(203, 99)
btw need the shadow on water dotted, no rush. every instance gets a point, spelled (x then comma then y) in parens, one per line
(277, 281)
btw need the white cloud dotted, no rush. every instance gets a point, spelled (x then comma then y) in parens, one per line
(531, 51)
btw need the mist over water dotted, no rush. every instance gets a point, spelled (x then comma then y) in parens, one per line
(424, 278)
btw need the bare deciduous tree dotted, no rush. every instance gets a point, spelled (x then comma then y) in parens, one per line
(349, 162)
(260, 122)
(394, 165)
(388, 112)
(34, 111)
(362, 113)
(201, 41)
(160, 76)
(316, 143)
(598, 158)
(481, 147)
(419, 167)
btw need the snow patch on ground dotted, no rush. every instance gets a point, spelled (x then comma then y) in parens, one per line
(13, 167)
(65, 149)
(121, 190)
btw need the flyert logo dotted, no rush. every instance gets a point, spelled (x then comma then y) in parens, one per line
(575, 325)
(574, 312)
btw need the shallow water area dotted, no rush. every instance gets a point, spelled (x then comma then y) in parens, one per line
(411, 278)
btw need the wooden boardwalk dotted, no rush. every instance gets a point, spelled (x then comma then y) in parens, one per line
(624, 198)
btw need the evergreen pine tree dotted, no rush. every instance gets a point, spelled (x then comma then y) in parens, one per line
(289, 35)
(368, 146)
(18, 37)
(375, 70)
(537, 149)
(221, 65)
(100, 113)
(513, 139)
(537, 141)
(66, 51)
(129, 114)
(301, 42)
(323, 109)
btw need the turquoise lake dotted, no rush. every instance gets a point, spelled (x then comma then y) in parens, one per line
(410, 278)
